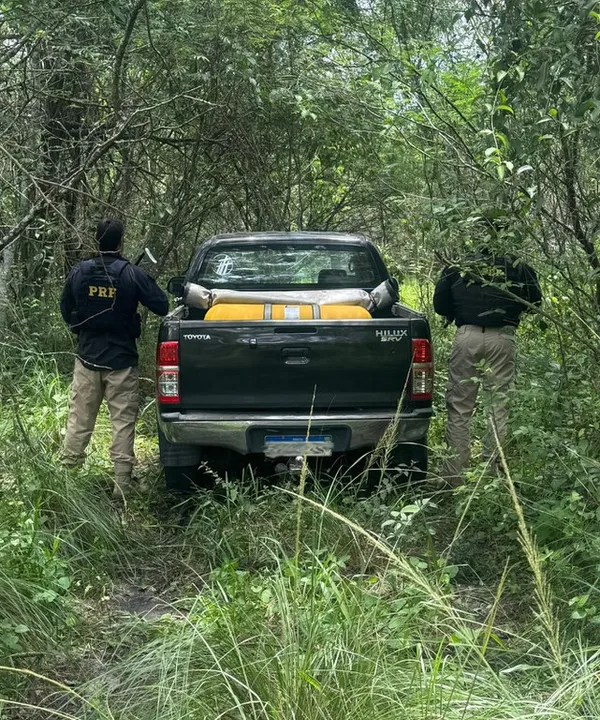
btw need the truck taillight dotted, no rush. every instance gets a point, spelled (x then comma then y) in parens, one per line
(167, 372)
(422, 370)
(168, 353)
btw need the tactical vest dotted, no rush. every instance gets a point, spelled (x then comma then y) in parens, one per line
(103, 305)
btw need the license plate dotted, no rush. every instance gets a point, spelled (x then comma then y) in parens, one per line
(294, 445)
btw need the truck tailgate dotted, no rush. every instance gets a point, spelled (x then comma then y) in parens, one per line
(276, 365)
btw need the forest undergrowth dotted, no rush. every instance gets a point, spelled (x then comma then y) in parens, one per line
(411, 122)
(260, 601)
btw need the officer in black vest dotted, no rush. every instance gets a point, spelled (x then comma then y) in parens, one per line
(99, 303)
(485, 296)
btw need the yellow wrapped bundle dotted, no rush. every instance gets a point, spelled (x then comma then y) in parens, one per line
(286, 312)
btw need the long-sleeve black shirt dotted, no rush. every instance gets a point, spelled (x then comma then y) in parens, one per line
(482, 291)
(113, 350)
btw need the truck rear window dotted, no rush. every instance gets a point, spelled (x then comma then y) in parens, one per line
(288, 266)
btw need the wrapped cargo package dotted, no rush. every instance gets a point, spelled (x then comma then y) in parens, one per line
(270, 311)
(383, 296)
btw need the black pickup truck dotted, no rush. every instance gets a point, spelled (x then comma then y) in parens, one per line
(288, 379)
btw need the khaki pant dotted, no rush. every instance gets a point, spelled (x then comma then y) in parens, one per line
(485, 357)
(120, 388)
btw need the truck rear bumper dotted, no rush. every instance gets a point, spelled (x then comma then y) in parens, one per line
(243, 433)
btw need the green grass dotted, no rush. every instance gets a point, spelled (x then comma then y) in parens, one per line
(272, 605)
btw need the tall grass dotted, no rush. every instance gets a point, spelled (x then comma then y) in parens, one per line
(309, 641)
(295, 603)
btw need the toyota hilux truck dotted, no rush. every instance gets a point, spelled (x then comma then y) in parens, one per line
(288, 346)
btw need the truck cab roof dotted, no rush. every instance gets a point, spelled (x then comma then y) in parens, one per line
(295, 237)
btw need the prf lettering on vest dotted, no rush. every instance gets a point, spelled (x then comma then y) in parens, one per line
(101, 291)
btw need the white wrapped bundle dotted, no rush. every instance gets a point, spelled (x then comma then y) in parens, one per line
(197, 296)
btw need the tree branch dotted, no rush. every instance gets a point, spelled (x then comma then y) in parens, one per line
(117, 77)
(58, 191)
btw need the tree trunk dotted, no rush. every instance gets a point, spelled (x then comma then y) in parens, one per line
(7, 258)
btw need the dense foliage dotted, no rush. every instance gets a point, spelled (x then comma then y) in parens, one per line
(407, 121)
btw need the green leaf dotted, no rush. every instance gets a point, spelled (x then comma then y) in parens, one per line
(64, 582)
(46, 596)
(451, 570)
(579, 600)
(410, 509)
(310, 680)
(567, 81)
(518, 668)
(417, 562)
(10, 641)
(503, 139)
(506, 108)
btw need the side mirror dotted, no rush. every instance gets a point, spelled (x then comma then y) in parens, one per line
(175, 285)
